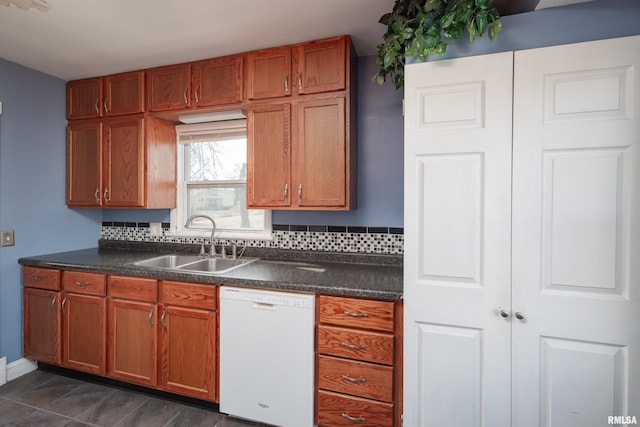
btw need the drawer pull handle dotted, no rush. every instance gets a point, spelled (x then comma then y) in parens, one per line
(64, 301)
(83, 284)
(354, 346)
(37, 278)
(353, 380)
(350, 418)
(352, 314)
(150, 318)
(53, 304)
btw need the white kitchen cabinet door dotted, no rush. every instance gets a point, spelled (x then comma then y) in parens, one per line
(551, 240)
(457, 265)
(576, 234)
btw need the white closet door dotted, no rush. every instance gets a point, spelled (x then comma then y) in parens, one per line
(458, 242)
(576, 234)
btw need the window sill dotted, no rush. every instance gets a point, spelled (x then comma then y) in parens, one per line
(222, 234)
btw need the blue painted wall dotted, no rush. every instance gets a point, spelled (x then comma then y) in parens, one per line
(32, 187)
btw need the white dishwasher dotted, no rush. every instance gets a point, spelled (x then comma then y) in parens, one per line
(267, 355)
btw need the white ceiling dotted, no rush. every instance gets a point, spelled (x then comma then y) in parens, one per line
(85, 38)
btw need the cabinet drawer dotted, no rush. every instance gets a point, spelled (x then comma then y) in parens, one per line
(356, 313)
(83, 283)
(42, 278)
(374, 347)
(133, 288)
(188, 294)
(339, 410)
(357, 378)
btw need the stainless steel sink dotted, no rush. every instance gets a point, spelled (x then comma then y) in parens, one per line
(216, 265)
(168, 261)
(194, 263)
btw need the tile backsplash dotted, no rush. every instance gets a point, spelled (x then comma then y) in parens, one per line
(372, 240)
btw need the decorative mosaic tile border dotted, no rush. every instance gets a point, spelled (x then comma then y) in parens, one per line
(372, 240)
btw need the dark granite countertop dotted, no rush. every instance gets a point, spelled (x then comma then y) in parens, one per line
(376, 276)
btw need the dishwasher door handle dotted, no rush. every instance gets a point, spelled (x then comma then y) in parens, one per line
(263, 306)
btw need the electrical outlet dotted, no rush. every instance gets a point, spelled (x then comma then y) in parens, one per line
(155, 229)
(6, 238)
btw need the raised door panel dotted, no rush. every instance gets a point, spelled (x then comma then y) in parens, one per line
(124, 162)
(84, 332)
(84, 98)
(124, 94)
(42, 325)
(188, 352)
(269, 156)
(168, 88)
(217, 81)
(269, 73)
(322, 164)
(321, 66)
(84, 164)
(132, 341)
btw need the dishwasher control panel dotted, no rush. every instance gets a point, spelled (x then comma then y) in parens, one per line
(268, 297)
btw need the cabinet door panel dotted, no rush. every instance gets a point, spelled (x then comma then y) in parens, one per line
(341, 410)
(269, 156)
(42, 332)
(131, 338)
(84, 333)
(217, 81)
(168, 87)
(368, 346)
(321, 66)
(269, 74)
(84, 163)
(84, 99)
(124, 94)
(187, 342)
(124, 159)
(321, 153)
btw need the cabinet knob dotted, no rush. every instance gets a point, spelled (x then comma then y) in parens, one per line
(519, 315)
(504, 313)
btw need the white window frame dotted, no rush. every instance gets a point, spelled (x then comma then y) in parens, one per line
(179, 214)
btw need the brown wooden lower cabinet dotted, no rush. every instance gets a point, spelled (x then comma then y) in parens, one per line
(359, 362)
(42, 325)
(132, 314)
(84, 321)
(187, 339)
(335, 409)
(84, 333)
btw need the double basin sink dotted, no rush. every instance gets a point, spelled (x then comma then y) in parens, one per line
(201, 264)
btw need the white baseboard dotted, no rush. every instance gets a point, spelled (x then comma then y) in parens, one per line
(3, 370)
(20, 367)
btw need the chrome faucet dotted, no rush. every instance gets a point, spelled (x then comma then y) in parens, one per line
(212, 250)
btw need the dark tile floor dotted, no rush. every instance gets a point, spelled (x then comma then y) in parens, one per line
(42, 398)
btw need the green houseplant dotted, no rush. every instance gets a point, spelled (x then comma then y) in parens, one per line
(420, 28)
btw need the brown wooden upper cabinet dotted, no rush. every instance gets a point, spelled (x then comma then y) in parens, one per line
(217, 81)
(306, 163)
(306, 68)
(320, 66)
(107, 96)
(269, 73)
(169, 88)
(126, 161)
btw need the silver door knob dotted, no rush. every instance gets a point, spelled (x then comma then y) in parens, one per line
(519, 315)
(504, 313)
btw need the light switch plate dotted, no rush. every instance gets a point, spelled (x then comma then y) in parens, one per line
(6, 238)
